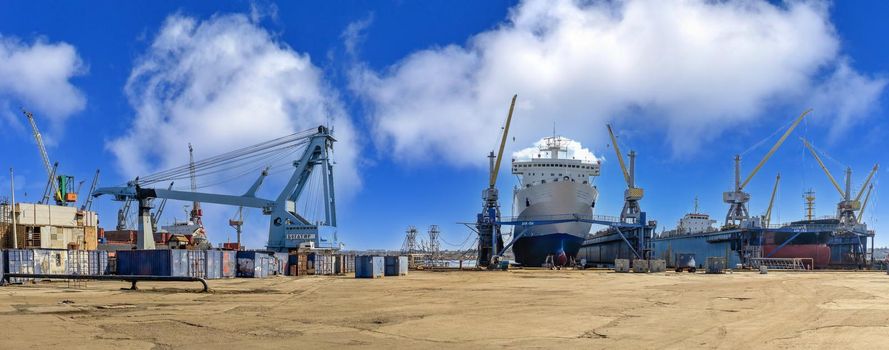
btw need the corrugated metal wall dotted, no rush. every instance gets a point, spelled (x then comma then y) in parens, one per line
(670, 248)
(367, 266)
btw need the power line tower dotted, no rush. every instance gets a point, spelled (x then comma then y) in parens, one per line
(434, 245)
(410, 241)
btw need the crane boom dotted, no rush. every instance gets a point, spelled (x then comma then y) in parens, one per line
(89, 198)
(37, 136)
(620, 158)
(768, 217)
(823, 167)
(864, 205)
(866, 182)
(496, 169)
(774, 148)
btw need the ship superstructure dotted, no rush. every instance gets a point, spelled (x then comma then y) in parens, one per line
(552, 185)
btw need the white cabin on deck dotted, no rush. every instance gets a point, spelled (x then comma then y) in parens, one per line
(548, 167)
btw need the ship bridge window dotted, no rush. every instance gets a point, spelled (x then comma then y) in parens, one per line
(543, 181)
(585, 182)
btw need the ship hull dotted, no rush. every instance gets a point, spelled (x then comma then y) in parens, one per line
(533, 251)
(561, 240)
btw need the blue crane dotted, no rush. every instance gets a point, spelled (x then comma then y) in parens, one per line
(287, 228)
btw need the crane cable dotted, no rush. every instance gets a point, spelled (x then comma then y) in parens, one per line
(230, 159)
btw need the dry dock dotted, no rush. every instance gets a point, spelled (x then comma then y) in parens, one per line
(516, 309)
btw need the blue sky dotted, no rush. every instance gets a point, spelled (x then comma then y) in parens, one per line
(418, 90)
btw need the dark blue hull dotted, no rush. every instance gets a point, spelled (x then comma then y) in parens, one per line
(532, 251)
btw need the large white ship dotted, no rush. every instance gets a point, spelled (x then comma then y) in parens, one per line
(552, 186)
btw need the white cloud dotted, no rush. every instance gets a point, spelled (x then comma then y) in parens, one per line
(846, 97)
(222, 84)
(574, 151)
(692, 68)
(354, 35)
(38, 77)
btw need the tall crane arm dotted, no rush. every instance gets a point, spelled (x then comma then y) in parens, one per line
(866, 182)
(89, 198)
(768, 216)
(496, 170)
(620, 158)
(823, 167)
(40, 145)
(774, 148)
(162, 205)
(864, 205)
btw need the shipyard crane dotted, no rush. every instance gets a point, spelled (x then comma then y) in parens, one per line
(288, 229)
(196, 211)
(63, 192)
(737, 199)
(156, 216)
(847, 207)
(631, 211)
(864, 204)
(767, 218)
(490, 240)
(50, 184)
(123, 213)
(88, 204)
(50, 170)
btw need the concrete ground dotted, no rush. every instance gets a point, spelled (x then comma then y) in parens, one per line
(515, 309)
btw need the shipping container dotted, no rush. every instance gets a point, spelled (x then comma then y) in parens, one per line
(19, 261)
(367, 266)
(256, 264)
(350, 263)
(162, 262)
(715, 264)
(229, 264)
(396, 266)
(298, 264)
(281, 260)
(213, 264)
(87, 262)
(51, 261)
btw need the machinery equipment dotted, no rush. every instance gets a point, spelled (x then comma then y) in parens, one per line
(737, 199)
(847, 207)
(287, 228)
(631, 211)
(63, 191)
(490, 241)
(156, 216)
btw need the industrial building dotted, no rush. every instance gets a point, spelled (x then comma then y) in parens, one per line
(47, 226)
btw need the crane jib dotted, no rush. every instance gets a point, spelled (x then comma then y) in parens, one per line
(502, 143)
(774, 148)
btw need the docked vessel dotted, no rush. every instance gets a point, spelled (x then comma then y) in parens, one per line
(552, 185)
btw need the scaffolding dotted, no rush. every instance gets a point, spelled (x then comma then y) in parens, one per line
(790, 264)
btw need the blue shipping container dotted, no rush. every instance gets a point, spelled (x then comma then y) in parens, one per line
(256, 264)
(162, 262)
(367, 266)
(396, 266)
